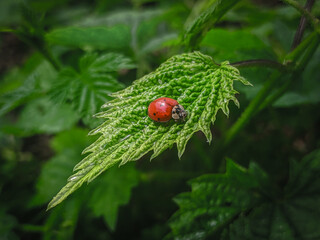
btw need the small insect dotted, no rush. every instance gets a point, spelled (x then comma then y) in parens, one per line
(163, 109)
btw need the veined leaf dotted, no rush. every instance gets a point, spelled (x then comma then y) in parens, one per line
(35, 82)
(20, 95)
(215, 200)
(193, 79)
(207, 20)
(90, 88)
(246, 204)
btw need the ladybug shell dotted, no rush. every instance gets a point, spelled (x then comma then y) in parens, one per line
(160, 110)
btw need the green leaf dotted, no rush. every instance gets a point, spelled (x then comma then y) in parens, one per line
(206, 21)
(36, 77)
(110, 62)
(128, 133)
(246, 204)
(62, 222)
(7, 225)
(247, 45)
(68, 146)
(19, 96)
(43, 116)
(110, 191)
(111, 38)
(157, 43)
(306, 89)
(7, 16)
(75, 138)
(215, 200)
(53, 175)
(104, 196)
(90, 88)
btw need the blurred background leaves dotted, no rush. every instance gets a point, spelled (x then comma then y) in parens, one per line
(44, 47)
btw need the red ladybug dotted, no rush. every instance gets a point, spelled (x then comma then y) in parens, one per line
(163, 109)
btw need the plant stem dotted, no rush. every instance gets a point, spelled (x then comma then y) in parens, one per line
(49, 56)
(302, 25)
(299, 50)
(304, 12)
(251, 109)
(260, 62)
(41, 46)
(310, 43)
(315, 41)
(296, 75)
(271, 99)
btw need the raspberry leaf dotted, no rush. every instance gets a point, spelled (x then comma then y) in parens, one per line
(247, 204)
(193, 79)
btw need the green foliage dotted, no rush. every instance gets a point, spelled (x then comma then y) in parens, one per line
(305, 91)
(113, 38)
(247, 46)
(68, 146)
(36, 78)
(89, 88)
(104, 196)
(19, 96)
(205, 21)
(114, 188)
(46, 117)
(7, 224)
(61, 60)
(61, 223)
(220, 44)
(246, 204)
(193, 79)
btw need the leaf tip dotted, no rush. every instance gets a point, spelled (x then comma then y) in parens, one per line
(52, 204)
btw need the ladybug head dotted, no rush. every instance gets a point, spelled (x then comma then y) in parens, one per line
(178, 113)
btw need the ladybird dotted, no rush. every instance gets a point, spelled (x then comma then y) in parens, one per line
(163, 109)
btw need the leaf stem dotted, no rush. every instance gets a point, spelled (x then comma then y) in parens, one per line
(296, 75)
(259, 62)
(313, 45)
(303, 11)
(302, 25)
(310, 43)
(251, 109)
(49, 56)
(40, 45)
(299, 50)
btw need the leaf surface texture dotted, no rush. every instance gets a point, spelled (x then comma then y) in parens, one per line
(193, 79)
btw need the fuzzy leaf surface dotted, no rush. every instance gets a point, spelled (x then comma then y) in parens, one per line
(127, 134)
(247, 204)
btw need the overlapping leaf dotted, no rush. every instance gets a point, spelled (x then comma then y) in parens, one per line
(207, 20)
(127, 134)
(89, 88)
(246, 204)
(104, 196)
(35, 76)
(215, 200)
